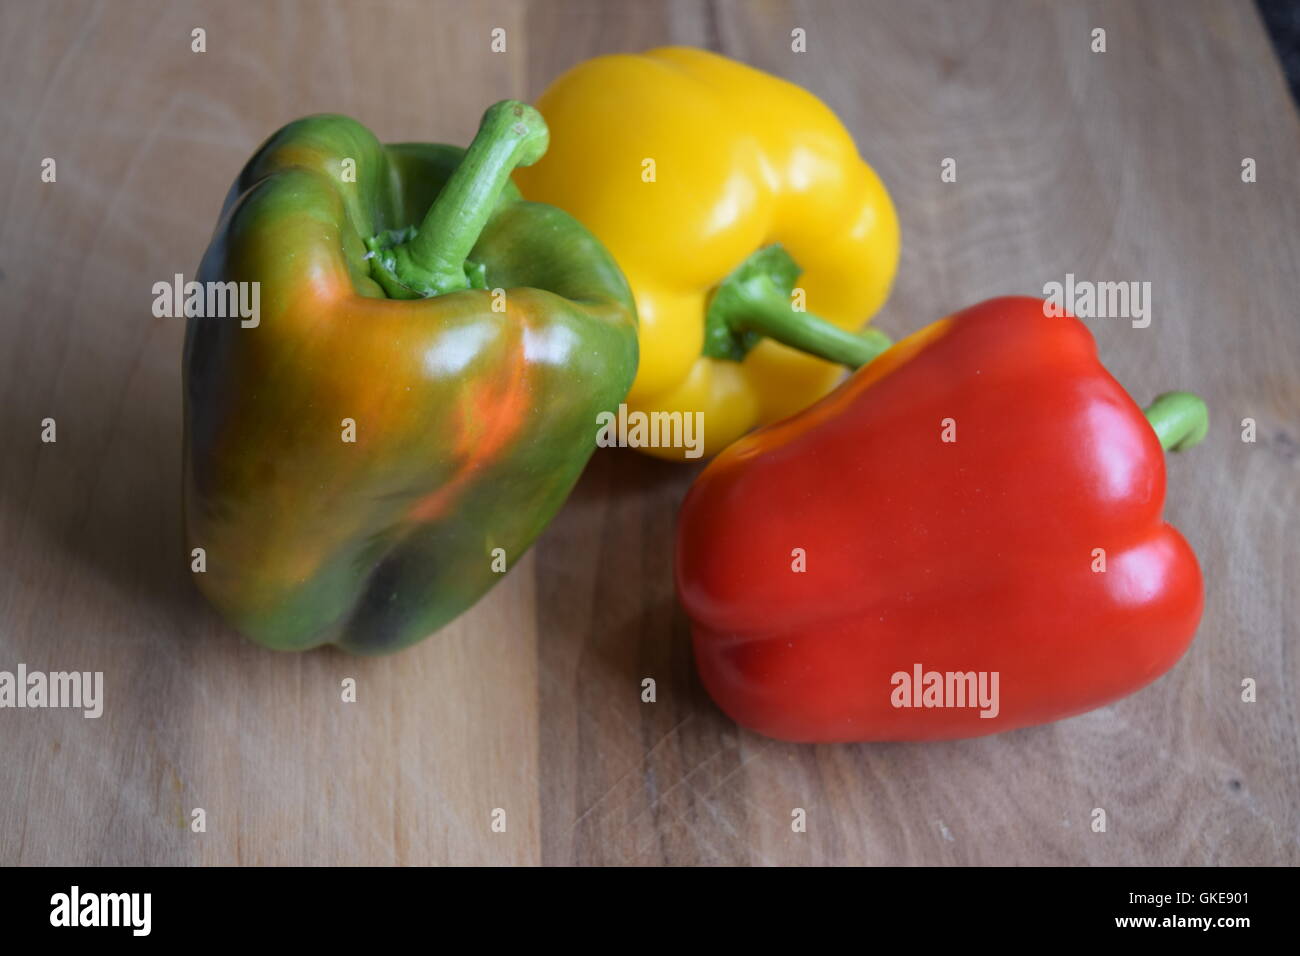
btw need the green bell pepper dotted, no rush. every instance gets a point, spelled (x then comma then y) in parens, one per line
(418, 394)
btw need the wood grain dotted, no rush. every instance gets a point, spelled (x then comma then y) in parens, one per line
(1122, 165)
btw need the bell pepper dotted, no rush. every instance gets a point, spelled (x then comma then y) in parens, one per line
(984, 500)
(419, 393)
(721, 190)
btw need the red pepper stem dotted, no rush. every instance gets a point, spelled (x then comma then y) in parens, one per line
(433, 261)
(1180, 420)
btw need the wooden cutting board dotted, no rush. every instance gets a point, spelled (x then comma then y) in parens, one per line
(1122, 165)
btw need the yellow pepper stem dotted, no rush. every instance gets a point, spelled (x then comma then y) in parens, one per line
(755, 301)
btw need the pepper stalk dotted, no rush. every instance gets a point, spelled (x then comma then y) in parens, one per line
(433, 258)
(754, 301)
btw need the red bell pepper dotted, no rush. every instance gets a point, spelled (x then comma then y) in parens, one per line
(977, 513)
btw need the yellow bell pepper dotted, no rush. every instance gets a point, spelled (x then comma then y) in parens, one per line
(740, 211)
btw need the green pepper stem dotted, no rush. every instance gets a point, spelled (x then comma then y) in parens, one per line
(433, 260)
(754, 301)
(1180, 420)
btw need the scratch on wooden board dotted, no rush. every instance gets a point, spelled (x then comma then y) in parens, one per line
(639, 768)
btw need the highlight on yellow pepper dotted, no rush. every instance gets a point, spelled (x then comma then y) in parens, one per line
(753, 234)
